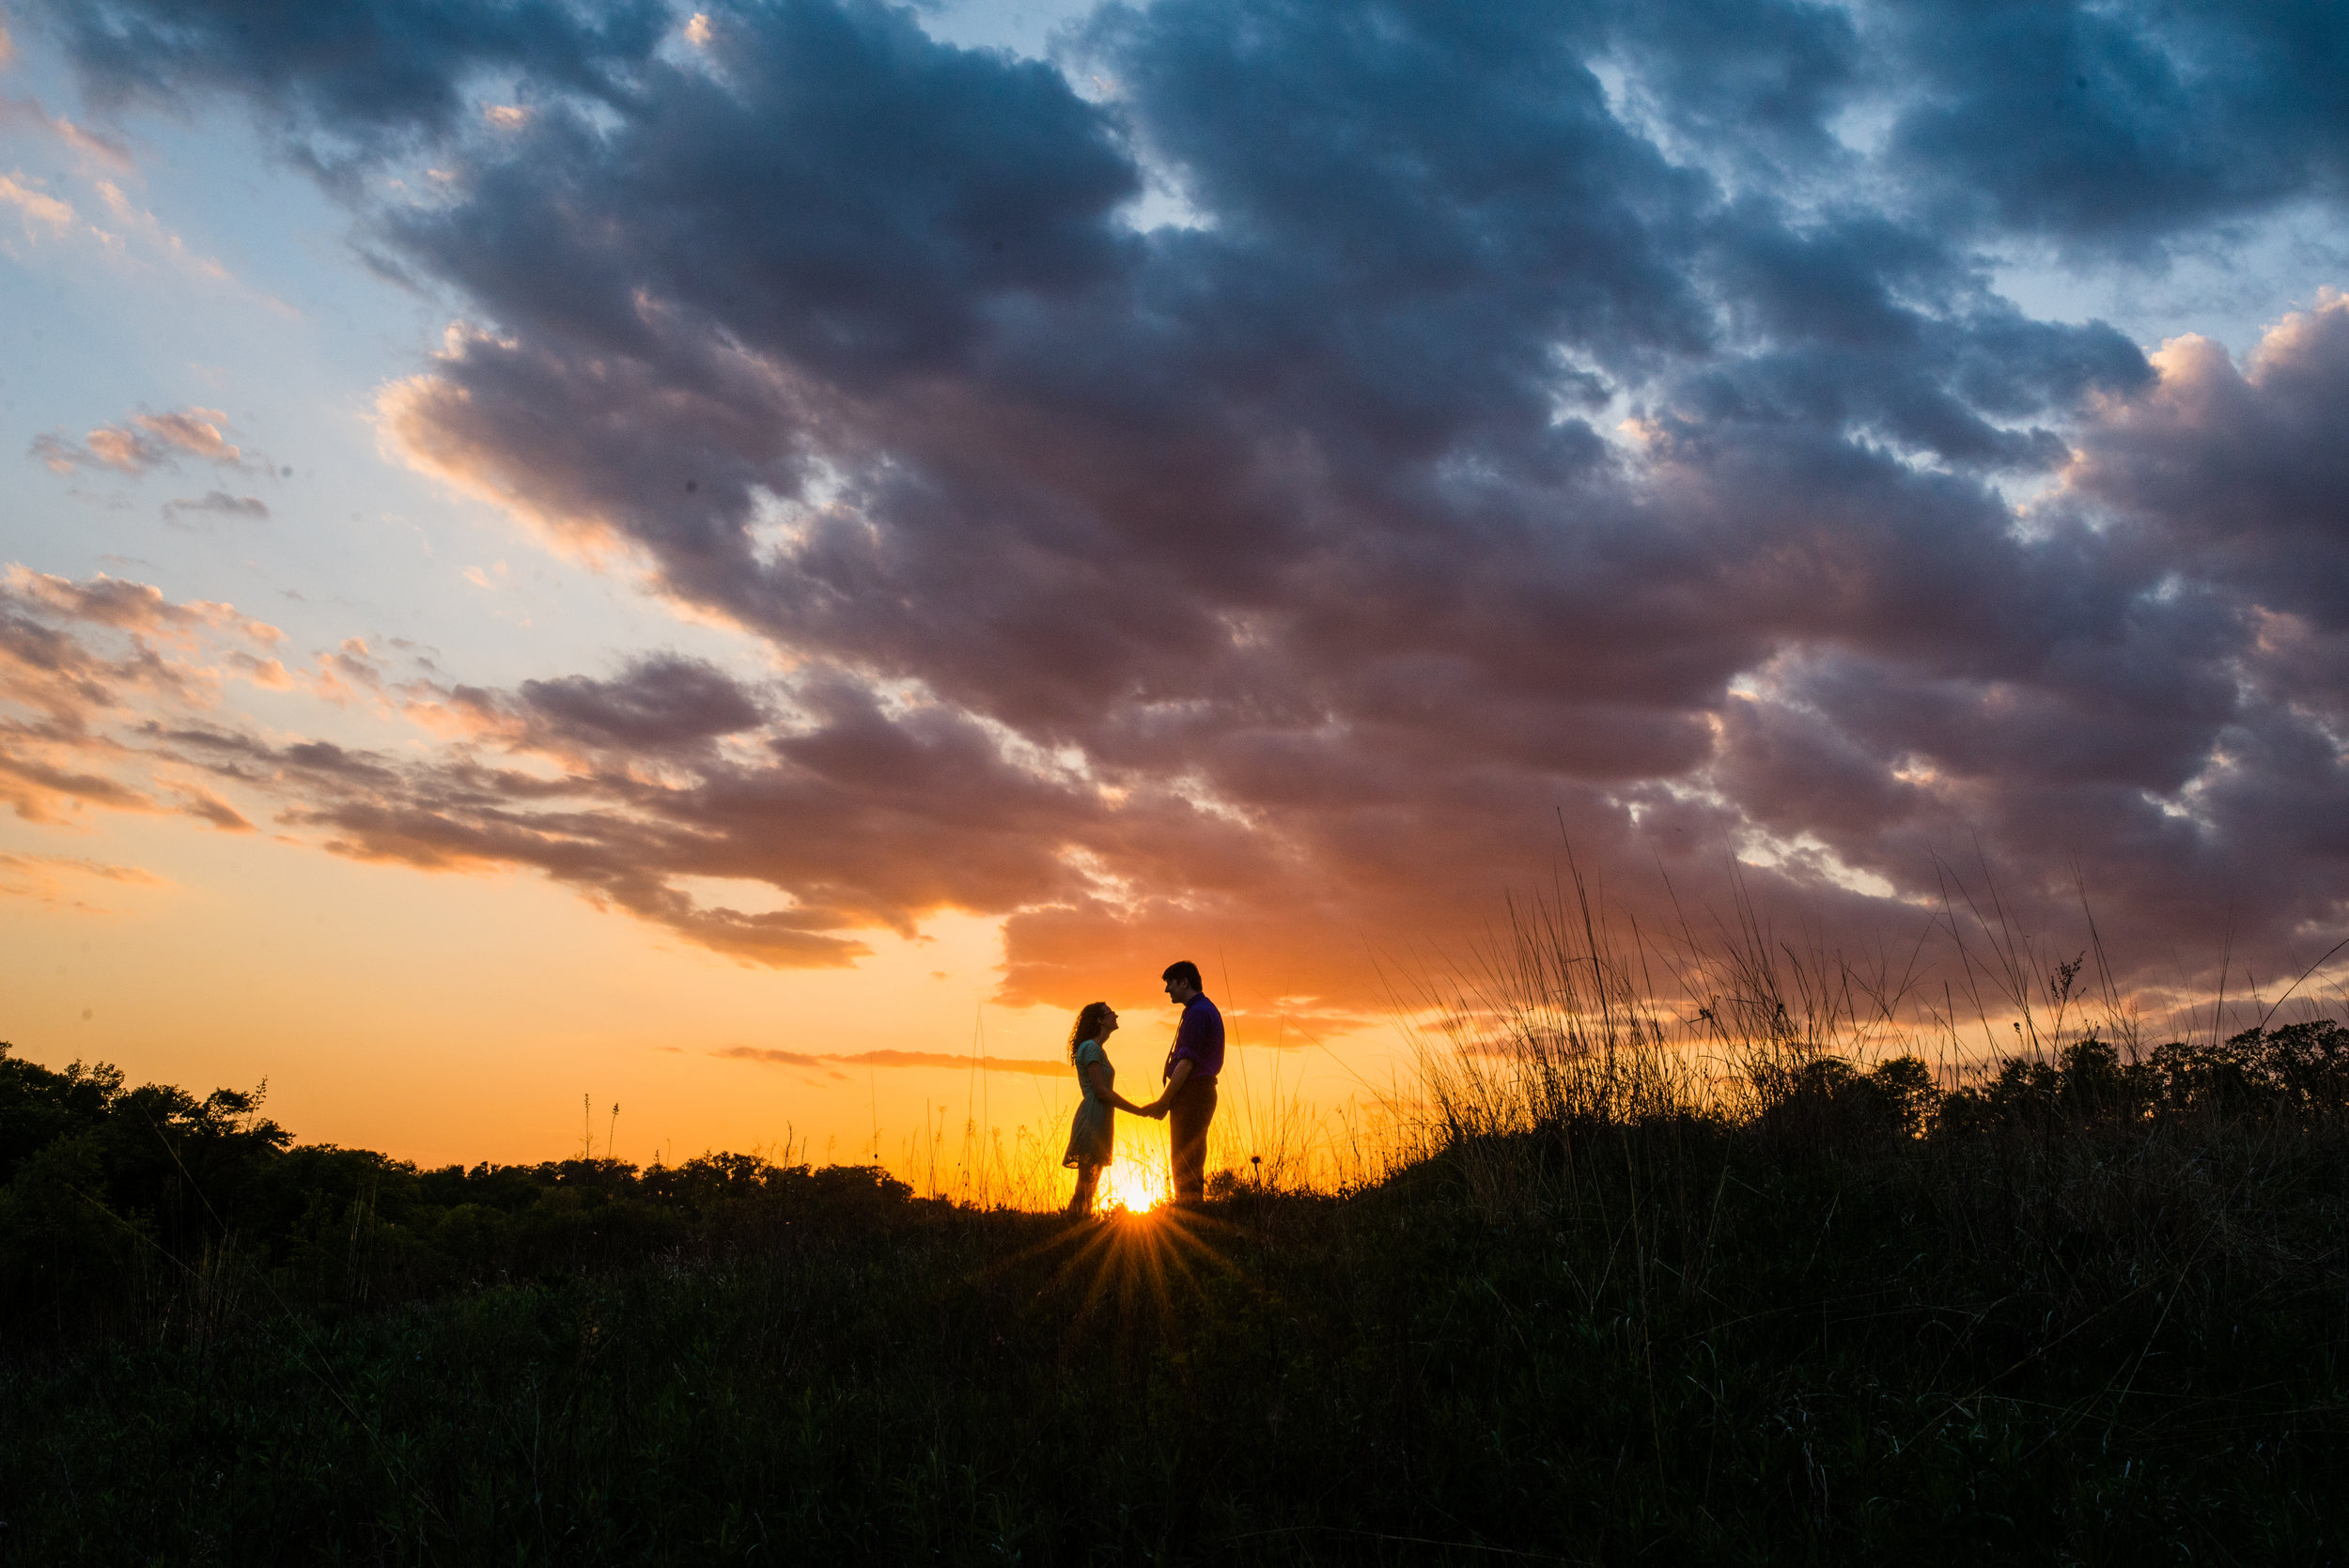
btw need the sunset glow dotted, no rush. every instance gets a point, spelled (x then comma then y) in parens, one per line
(1134, 1187)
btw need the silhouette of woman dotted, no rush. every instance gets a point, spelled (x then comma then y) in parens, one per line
(1091, 1135)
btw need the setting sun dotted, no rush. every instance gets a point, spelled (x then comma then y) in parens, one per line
(1133, 1186)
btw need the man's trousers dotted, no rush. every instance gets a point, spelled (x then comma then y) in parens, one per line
(1187, 1120)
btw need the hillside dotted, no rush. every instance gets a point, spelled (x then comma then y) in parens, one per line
(2061, 1318)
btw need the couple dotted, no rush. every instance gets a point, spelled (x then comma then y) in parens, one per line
(1187, 1102)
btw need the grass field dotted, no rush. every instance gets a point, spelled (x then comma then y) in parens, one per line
(2091, 1306)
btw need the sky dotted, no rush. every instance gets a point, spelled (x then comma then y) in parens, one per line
(727, 559)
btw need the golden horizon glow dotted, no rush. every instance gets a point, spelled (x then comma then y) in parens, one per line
(1132, 1185)
(445, 1018)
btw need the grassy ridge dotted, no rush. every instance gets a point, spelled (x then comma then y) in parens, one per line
(2068, 1322)
(149, 1214)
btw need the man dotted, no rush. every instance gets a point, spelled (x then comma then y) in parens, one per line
(1192, 1067)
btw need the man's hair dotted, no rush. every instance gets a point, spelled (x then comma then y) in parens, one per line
(1184, 970)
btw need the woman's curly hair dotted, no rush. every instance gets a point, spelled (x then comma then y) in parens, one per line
(1088, 1023)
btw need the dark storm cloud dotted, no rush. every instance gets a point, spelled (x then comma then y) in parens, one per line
(833, 186)
(659, 704)
(351, 76)
(1601, 417)
(1754, 82)
(607, 787)
(2243, 471)
(2116, 127)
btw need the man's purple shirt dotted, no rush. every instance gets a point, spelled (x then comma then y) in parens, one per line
(1198, 1039)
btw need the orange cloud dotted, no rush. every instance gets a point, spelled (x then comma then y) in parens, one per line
(897, 1058)
(208, 807)
(134, 607)
(48, 878)
(40, 793)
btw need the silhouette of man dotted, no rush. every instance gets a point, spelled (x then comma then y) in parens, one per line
(1192, 1067)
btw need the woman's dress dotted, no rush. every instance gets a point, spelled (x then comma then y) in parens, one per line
(1090, 1136)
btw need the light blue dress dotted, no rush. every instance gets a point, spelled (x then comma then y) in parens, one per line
(1095, 1129)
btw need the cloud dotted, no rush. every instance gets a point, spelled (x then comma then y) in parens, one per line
(80, 658)
(147, 442)
(1602, 420)
(127, 874)
(137, 235)
(641, 800)
(2242, 470)
(2169, 718)
(219, 504)
(135, 607)
(95, 147)
(208, 807)
(662, 703)
(52, 879)
(2123, 130)
(161, 241)
(37, 791)
(353, 82)
(895, 1059)
(35, 205)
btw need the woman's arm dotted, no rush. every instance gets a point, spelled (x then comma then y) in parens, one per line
(1182, 1076)
(1101, 1089)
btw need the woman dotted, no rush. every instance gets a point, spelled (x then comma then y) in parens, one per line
(1090, 1137)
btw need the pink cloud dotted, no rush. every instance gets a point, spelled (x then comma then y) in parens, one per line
(134, 607)
(36, 205)
(82, 672)
(147, 442)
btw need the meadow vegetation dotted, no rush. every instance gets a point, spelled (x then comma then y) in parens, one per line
(1746, 1278)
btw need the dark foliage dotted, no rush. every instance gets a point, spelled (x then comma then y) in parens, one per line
(2298, 1074)
(1865, 1327)
(147, 1213)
